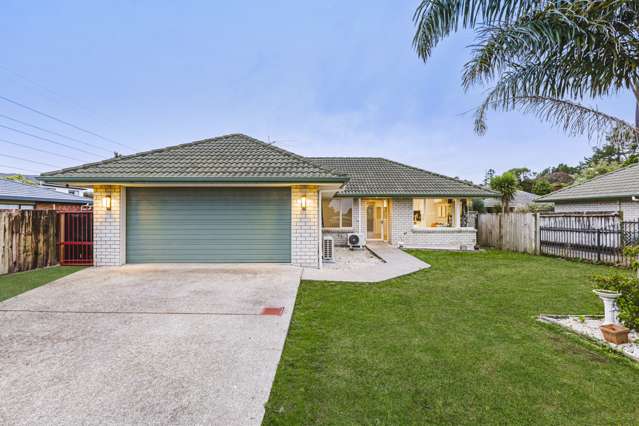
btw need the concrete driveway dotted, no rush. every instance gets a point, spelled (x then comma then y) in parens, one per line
(141, 344)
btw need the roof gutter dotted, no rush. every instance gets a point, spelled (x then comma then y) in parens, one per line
(414, 195)
(46, 200)
(592, 198)
(90, 180)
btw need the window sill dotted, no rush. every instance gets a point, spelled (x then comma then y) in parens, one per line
(337, 229)
(442, 230)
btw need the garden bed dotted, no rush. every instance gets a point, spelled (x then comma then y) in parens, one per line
(588, 326)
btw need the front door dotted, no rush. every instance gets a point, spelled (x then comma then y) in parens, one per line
(377, 220)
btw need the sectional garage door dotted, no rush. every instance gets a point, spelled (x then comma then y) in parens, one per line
(208, 225)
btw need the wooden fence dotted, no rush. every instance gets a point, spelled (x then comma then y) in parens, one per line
(509, 231)
(594, 237)
(27, 240)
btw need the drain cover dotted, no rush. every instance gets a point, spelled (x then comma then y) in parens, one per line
(269, 310)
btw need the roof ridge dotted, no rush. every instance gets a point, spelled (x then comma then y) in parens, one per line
(140, 154)
(576, 185)
(196, 142)
(439, 175)
(290, 154)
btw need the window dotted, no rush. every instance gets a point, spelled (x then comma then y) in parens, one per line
(432, 212)
(337, 213)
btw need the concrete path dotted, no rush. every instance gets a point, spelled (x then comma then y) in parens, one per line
(169, 344)
(396, 263)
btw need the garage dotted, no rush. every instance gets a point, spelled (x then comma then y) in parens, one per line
(208, 225)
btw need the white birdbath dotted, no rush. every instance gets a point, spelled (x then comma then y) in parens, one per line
(609, 299)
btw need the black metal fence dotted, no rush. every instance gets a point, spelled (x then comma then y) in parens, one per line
(594, 237)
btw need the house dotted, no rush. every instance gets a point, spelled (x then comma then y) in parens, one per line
(617, 191)
(521, 202)
(16, 195)
(234, 198)
(66, 189)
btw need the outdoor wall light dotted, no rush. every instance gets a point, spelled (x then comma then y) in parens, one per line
(303, 202)
(106, 202)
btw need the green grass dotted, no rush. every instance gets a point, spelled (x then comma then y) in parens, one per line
(456, 344)
(14, 284)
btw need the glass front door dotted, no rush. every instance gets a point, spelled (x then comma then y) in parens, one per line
(377, 220)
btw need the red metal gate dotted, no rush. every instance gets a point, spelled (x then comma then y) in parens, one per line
(76, 238)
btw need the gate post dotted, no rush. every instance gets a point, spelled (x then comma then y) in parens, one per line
(598, 244)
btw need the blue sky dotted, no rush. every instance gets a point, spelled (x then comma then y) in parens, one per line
(320, 78)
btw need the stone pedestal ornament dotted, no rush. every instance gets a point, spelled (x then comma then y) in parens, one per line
(611, 310)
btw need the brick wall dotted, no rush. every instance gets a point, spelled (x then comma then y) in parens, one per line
(630, 209)
(304, 227)
(402, 230)
(106, 227)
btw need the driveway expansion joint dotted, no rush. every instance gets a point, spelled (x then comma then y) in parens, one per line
(47, 311)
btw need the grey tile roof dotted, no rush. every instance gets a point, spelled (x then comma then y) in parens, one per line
(229, 158)
(372, 176)
(622, 183)
(10, 190)
(521, 199)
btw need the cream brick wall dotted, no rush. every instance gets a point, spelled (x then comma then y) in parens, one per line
(305, 227)
(106, 227)
(402, 230)
(630, 209)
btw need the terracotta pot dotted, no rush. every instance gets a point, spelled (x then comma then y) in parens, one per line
(614, 333)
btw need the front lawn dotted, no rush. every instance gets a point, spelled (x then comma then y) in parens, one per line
(456, 344)
(14, 284)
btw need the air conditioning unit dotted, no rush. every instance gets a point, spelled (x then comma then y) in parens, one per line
(328, 249)
(355, 240)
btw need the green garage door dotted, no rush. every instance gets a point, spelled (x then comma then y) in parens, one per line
(208, 225)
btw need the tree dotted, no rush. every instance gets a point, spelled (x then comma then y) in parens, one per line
(543, 56)
(542, 187)
(620, 147)
(506, 184)
(20, 179)
(488, 176)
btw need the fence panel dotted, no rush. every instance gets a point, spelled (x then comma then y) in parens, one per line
(508, 231)
(594, 237)
(27, 240)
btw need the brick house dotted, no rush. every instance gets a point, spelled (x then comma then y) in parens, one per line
(20, 196)
(234, 198)
(617, 191)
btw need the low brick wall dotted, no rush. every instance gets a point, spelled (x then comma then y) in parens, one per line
(403, 232)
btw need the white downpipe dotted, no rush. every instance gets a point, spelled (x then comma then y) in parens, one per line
(319, 230)
(359, 213)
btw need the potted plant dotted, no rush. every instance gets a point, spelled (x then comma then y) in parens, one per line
(620, 295)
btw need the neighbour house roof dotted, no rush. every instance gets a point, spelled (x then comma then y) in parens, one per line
(373, 176)
(622, 183)
(16, 191)
(521, 199)
(230, 158)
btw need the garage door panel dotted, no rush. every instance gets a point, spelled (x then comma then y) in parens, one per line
(208, 225)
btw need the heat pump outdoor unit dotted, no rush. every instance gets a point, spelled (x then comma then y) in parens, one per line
(328, 249)
(355, 240)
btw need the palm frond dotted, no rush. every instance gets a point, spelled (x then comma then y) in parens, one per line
(573, 118)
(575, 47)
(436, 19)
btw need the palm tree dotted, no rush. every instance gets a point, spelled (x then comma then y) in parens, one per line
(543, 56)
(507, 185)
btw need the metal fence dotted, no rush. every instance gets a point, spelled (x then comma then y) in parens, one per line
(594, 237)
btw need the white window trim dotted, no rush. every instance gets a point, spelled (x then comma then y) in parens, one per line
(340, 227)
(456, 215)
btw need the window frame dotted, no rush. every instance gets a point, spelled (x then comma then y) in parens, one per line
(423, 199)
(341, 212)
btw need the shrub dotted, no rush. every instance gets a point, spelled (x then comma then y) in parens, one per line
(628, 287)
